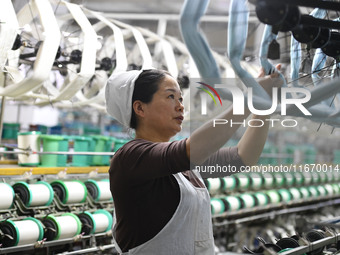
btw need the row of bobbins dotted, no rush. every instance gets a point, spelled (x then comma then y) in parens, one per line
(41, 193)
(54, 227)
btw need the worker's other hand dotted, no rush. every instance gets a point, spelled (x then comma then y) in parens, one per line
(270, 81)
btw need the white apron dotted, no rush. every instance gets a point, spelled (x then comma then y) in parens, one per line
(188, 232)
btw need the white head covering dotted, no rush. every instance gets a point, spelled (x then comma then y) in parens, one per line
(118, 95)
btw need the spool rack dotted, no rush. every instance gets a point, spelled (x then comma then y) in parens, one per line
(94, 243)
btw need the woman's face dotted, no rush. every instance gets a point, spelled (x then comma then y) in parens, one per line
(164, 114)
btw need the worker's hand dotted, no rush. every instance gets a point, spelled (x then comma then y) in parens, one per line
(270, 81)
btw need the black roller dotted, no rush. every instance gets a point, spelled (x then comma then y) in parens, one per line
(287, 242)
(313, 236)
(92, 189)
(271, 14)
(59, 191)
(17, 43)
(51, 229)
(292, 19)
(86, 222)
(323, 39)
(9, 235)
(304, 33)
(76, 56)
(332, 49)
(106, 64)
(23, 192)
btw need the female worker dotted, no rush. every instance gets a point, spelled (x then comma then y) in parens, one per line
(161, 207)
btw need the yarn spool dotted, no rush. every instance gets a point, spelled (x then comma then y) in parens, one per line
(305, 192)
(274, 196)
(261, 198)
(217, 206)
(37, 194)
(247, 200)
(299, 178)
(316, 178)
(87, 222)
(269, 180)
(213, 184)
(60, 227)
(229, 183)
(29, 140)
(290, 179)
(103, 219)
(296, 194)
(279, 179)
(322, 190)
(329, 189)
(285, 195)
(313, 191)
(99, 190)
(26, 231)
(70, 191)
(336, 188)
(231, 203)
(256, 181)
(6, 196)
(243, 181)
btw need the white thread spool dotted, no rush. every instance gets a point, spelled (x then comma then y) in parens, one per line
(214, 185)
(70, 191)
(103, 220)
(243, 181)
(26, 231)
(248, 200)
(329, 188)
(305, 192)
(296, 194)
(217, 206)
(37, 194)
(285, 194)
(268, 180)
(279, 179)
(322, 190)
(299, 178)
(67, 225)
(324, 177)
(289, 179)
(336, 188)
(313, 191)
(6, 196)
(229, 183)
(316, 177)
(233, 203)
(29, 140)
(99, 190)
(262, 198)
(274, 196)
(256, 180)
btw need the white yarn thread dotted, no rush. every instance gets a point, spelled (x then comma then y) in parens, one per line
(28, 231)
(6, 196)
(105, 193)
(40, 194)
(29, 141)
(68, 226)
(102, 222)
(76, 191)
